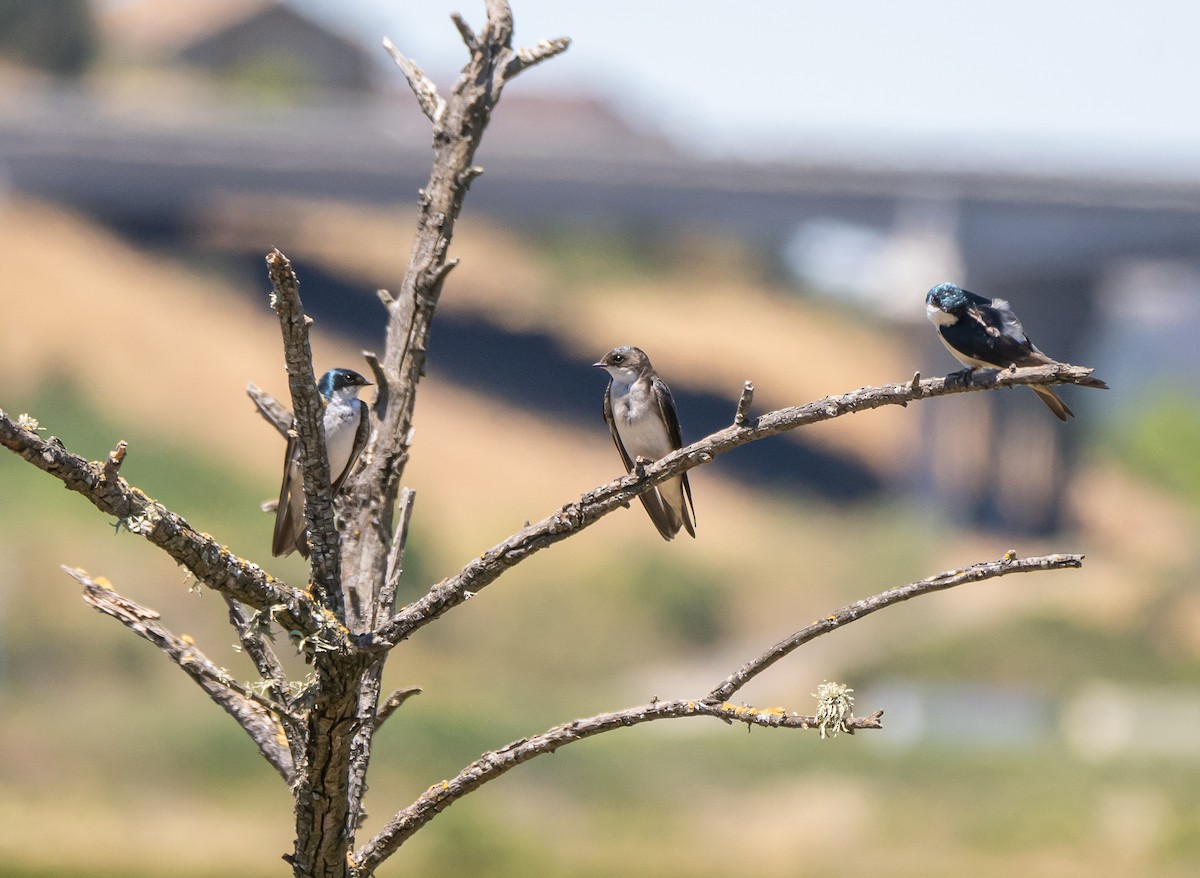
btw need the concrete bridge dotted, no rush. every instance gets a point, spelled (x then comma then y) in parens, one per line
(1050, 244)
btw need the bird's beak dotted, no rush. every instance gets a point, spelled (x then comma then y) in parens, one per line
(597, 365)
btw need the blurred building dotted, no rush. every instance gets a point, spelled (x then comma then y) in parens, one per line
(239, 39)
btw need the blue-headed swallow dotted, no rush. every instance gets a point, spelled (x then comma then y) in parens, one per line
(347, 427)
(986, 334)
(641, 416)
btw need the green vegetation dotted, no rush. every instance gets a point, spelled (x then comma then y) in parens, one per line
(1053, 651)
(190, 481)
(582, 252)
(100, 731)
(1164, 443)
(689, 605)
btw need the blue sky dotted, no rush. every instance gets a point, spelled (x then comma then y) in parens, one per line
(1086, 85)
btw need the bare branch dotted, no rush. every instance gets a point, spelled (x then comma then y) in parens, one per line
(254, 713)
(498, 32)
(340, 725)
(370, 497)
(465, 31)
(385, 605)
(491, 765)
(309, 410)
(430, 101)
(523, 59)
(857, 610)
(366, 722)
(209, 561)
(742, 415)
(273, 411)
(382, 388)
(115, 458)
(394, 702)
(250, 634)
(595, 504)
(369, 715)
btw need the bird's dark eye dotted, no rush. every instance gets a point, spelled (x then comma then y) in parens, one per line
(618, 358)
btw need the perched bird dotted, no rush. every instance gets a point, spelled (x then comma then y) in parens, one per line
(641, 415)
(346, 429)
(986, 334)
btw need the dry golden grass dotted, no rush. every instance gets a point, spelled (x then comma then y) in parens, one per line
(706, 321)
(162, 346)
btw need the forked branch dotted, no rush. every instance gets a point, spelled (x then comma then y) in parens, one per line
(255, 713)
(459, 119)
(715, 704)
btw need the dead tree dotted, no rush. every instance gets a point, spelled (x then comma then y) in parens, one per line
(318, 733)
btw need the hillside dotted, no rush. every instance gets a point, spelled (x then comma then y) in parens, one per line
(104, 340)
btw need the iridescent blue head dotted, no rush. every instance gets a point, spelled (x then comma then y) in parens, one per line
(946, 297)
(341, 380)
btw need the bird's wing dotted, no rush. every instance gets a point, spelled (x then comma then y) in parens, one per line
(666, 405)
(1009, 324)
(284, 539)
(612, 428)
(1003, 333)
(360, 441)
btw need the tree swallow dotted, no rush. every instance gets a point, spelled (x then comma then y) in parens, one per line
(347, 426)
(986, 334)
(641, 415)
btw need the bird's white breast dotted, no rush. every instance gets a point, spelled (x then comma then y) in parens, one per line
(341, 429)
(636, 415)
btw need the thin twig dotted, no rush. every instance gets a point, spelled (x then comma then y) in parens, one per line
(431, 103)
(498, 31)
(255, 645)
(255, 713)
(385, 605)
(273, 411)
(382, 385)
(465, 31)
(857, 610)
(523, 59)
(394, 702)
(742, 415)
(366, 722)
(116, 457)
(595, 504)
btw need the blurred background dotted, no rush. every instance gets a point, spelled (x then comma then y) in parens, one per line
(746, 191)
